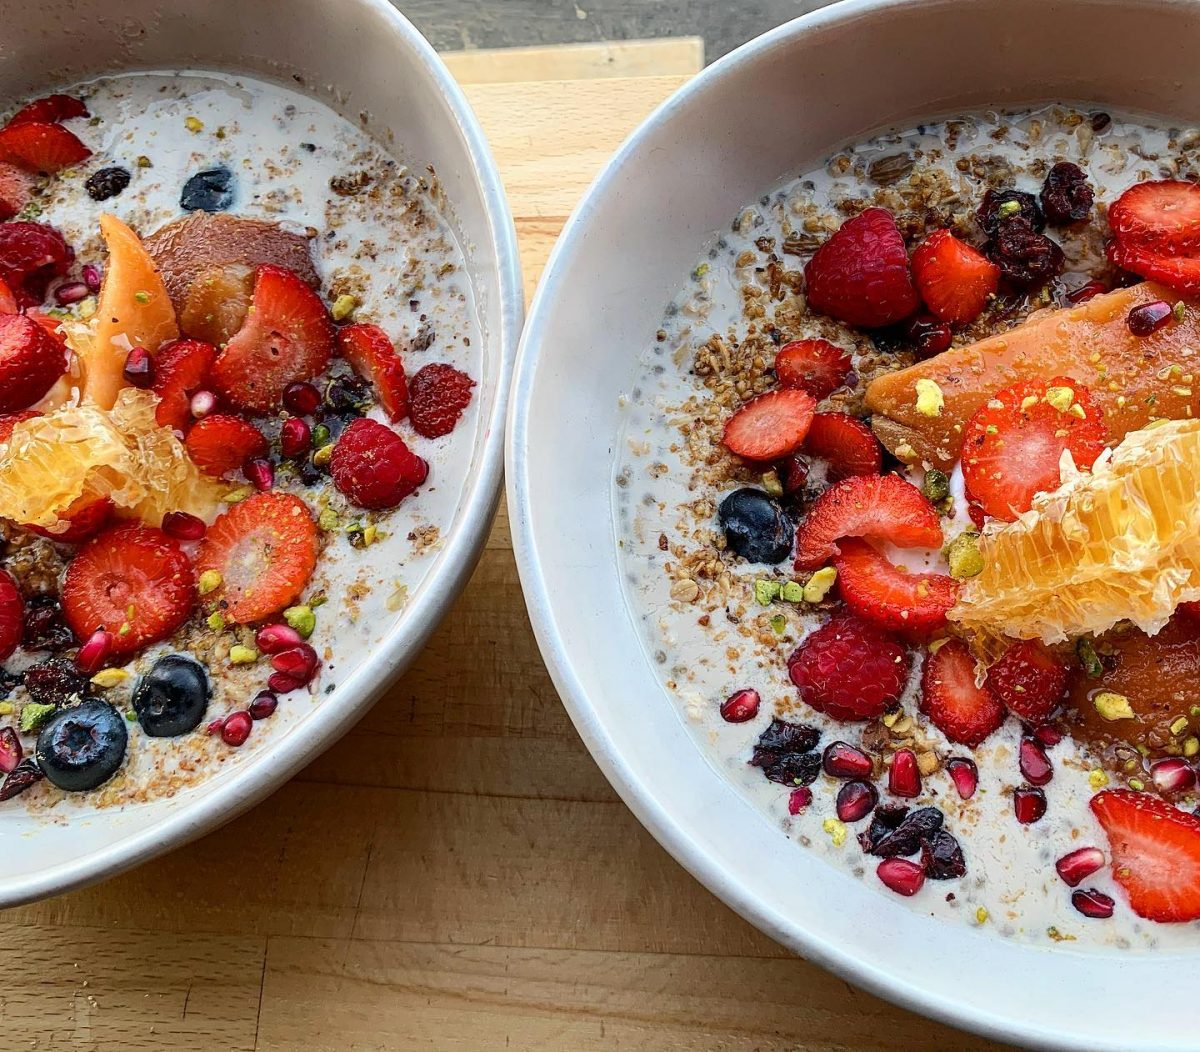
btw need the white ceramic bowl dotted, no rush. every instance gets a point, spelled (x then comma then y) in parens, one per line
(762, 114)
(363, 58)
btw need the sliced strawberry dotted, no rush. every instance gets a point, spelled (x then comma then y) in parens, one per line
(8, 302)
(264, 548)
(770, 426)
(12, 615)
(1155, 851)
(816, 366)
(181, 368)
(883, 507)
(1030, 680)
(16, 188)
(220, 444)
(437, 397)
(847, 444)
(287, 336)
(86, 517)
(1177, 272)
(372, 355)
(1161, 216)
(7, 423)
(31, 361)
(889, 596)
(49, 110)
(40, 147)
(373, 467)
(1013, 445)
(959, 707)
(132, 580)
(953, 279)
(31, 256)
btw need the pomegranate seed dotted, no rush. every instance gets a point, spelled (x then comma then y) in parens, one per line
(91, 276)
(929, 334)
(301, 398)
(1092, 903)
(95, 651)
(1048, 734)
(282, 683)
(295, 437)
(740, 706)
(856, 800)
(1173, 775)
(271, 639)
(214, 726)
(1035, 765)
(1086, 291)
(845, 761)
(904, 779)
(1029, 805)
(901, 875)
(139, 367)
(235, 728)
(965, 776)
(799, 799)
(10, 750)
(260, 473)
(299, 662)
(1148, 318)
(264, 704)
(202, 403)
(793, 474)
(183, 526)
(1080, 863)
(72, 292)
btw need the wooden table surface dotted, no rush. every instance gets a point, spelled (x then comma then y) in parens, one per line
(456, 873)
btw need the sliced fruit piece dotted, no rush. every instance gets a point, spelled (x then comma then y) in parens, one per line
(16, 187)
(287, 336)
(885, 507)
(437, 398)
(957, 705)
(1155, 852)
(1014, 444)
(1090, 343)
(181, 369)
(9, 421)
(41, 147)
(49, 110)
(954, 279)
(846, 444)
(79, 521)
(31, 361)
(207, 243)
(8, 302)
(891, 596)
(12, 616)
(132, 580)
(372, 355)
(1162, 216)
(770, 426)
(1030, 680)
(31, 256)
(1117, 544)
(263, 550)
(373, 467)
(1179, 273)
(221, 444)
(860, 275)
(816, 366)
(134, 311)
(216, 303)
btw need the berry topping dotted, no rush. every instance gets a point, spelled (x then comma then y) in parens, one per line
(31, 361)
(1155, 852)
(11, 750)
(82, 747)
(287, 336)
(181, 368)
(1030, 680)
(964, 774)
(959, 707)
(373, 467)
(942, 856)
(856, 800)
(904, 777)
(1173, 775)
(82, 519)
(1035, 765)
(884, 507)
(1177, 272)
(770, 426)
(1079, 865)
(208, 191)
(258, 556)
(132, 580)
(1147, 318)
(755, 527)
(1026, 258)
(221, 444)
(847, 445)
(1161, 216)
(106, 183)
(49, 110)
(138, 369)
(1067, 195)
(929, 335)
(914, 604)
(954, 279)
(40, 147)
(1029, 805)
(1003, 206)
(371, 355)
(1013, 445)
(896, 831)
(436, 399)
(301, 398)
(860, 275)
(842, 760)
(1092, 903)
(849, 670)
(295, 437)
(740, 706)
(12, 615)
(236, 727)
(902, 876)
(172, 697)
(31, 256)
(816, 366)
(16, 187)
(784, 751)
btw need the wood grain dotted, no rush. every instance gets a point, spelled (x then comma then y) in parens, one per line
(456, 873)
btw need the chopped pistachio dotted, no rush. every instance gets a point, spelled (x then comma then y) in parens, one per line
(1191, 746)
(1179, 726)
(836, 831)
(937, 644)
(700, 271)
(343, 307)
(792, 592)
(6, 708)
(87, 307)
(936, 485)
(888, 719)
(328, 519)
(216, 621)
(318, 599)
(1089, 659)
(1077, 411)
(236, 496)
(398, 598)
(109, 677)
(131, 716)
(370, 534)
(1097, 778)
(964, 556)
(778, 624)
(302, 619)
(772, 485)
(1179, 310)
(905, 452)
(1113, 706)
(320, 436)
(220, 132)
(194, 124)
(1008, 208)
(981, 915)
(242, 655)
(1136, 784)
(766, 591)
(33, 715)
(322, 456)
(143, 161)
(1028, 402)
(142, 296)
(930, 400)
(209, 581)
(819, 584)
(1060, 398)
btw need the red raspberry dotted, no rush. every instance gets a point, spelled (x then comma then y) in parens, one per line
(849, 670)
(861, 275)
(437, 397)
(1030, 680)
(373, 467)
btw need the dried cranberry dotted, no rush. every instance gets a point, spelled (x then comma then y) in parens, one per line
(942, 856)
(1147, 318)
(106, 183)
(1026, 258)
(906, 839)
(55, 682)
(1066, 194)
(785, 753)
(929, 335)
(45, 628)
(25, 775)
(997, 210)
(799, 799)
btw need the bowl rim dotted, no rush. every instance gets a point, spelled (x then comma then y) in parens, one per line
(669, 831)
(238, 791)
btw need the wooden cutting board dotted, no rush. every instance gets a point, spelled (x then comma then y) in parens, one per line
(455, 873)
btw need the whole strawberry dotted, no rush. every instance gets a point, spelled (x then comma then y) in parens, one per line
(373, 467)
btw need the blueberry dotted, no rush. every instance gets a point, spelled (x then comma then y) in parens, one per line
(172, 697)
(208, 191)
(82, 747)
(756, 528)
